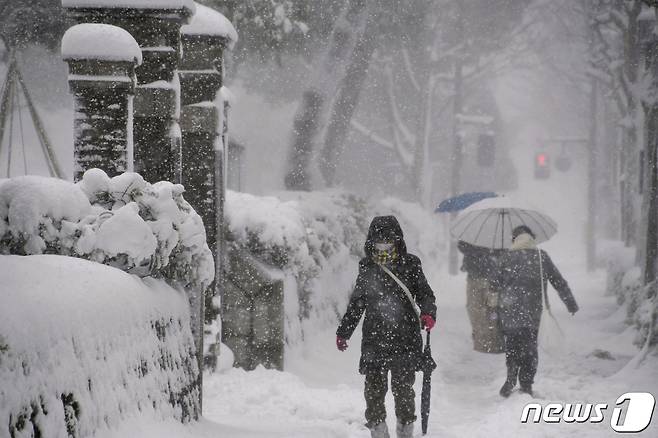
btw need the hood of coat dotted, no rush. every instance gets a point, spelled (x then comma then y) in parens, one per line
(384, 228)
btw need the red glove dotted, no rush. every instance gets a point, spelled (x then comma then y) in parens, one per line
(427, 321)
(341, 343)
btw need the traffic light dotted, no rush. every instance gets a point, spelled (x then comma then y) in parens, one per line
(542, 166)
(486, 155)
(563, 163)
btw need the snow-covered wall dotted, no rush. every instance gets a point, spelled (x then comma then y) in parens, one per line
(85, 346)
(68, 324)
(316, 239)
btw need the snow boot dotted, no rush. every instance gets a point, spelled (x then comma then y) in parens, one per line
(506, 389)
(526, 389)
(405, 430)
(380, 431)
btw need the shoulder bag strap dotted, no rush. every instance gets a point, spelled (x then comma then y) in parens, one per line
(545, 293)
(405, 289)
(541, 279)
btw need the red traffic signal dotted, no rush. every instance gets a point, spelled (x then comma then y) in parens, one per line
(542, 167)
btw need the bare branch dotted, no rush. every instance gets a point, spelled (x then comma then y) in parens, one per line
(390, 89)
(371, 135)
(409, 69)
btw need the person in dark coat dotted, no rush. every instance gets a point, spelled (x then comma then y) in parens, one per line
(391, 329)
(521, 303)
(480, 265)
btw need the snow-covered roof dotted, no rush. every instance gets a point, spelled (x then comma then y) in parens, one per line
(100, 41)
(207, 21)
(130, 4)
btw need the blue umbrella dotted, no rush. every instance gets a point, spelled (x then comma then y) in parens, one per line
(460, 202)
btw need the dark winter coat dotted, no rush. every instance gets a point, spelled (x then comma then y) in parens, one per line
(479, 262)
(391, 331)
(520, 291)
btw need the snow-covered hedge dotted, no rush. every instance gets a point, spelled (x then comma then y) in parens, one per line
(316, 239)
(85, 346)
(141, 228)
(641, 301)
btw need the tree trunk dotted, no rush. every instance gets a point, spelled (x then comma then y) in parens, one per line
(651, 147)
(651, 251)
(313, 111)
(346, 102)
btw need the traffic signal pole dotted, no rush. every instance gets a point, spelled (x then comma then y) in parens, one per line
(457, 153)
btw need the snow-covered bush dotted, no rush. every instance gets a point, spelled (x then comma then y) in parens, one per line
(316, 239)
(141, 228)
(84, 346)
(624, 280)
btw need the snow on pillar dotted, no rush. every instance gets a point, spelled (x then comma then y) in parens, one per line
(102, 60)
(155, 25)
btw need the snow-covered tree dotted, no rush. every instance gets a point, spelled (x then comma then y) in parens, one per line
(440, 53)
(32, 21)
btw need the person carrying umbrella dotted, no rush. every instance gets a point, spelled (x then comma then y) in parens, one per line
(392, 291)
(524, 271)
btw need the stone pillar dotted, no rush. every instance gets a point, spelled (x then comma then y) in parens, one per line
(201, 76)
(156, 28)
(102, 81)
(203, 41)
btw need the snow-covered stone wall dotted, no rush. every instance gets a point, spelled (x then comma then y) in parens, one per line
(85, 346)
(316, 240)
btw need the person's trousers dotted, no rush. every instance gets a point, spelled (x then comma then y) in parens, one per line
(376, 386)
(521, 355)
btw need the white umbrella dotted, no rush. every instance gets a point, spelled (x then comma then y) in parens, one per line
(489, 223)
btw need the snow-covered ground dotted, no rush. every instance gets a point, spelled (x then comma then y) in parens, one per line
(320, 394)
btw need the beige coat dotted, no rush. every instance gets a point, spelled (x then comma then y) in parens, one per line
(481, 304)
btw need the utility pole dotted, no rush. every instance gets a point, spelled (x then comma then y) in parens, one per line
(457, 155)
(592, 150)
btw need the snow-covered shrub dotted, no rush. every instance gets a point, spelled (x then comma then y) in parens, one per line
(625, 282)
(37, 215)
(618, 260)
(84, 346)
(316, 239)
(646, 316)
(141, 228)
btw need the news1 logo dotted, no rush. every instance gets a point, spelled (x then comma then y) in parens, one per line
(632, 413)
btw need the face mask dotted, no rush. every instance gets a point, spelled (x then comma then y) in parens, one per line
(384, 253)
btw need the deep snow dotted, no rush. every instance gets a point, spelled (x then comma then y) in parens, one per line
(320, 393)
(71, 326)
